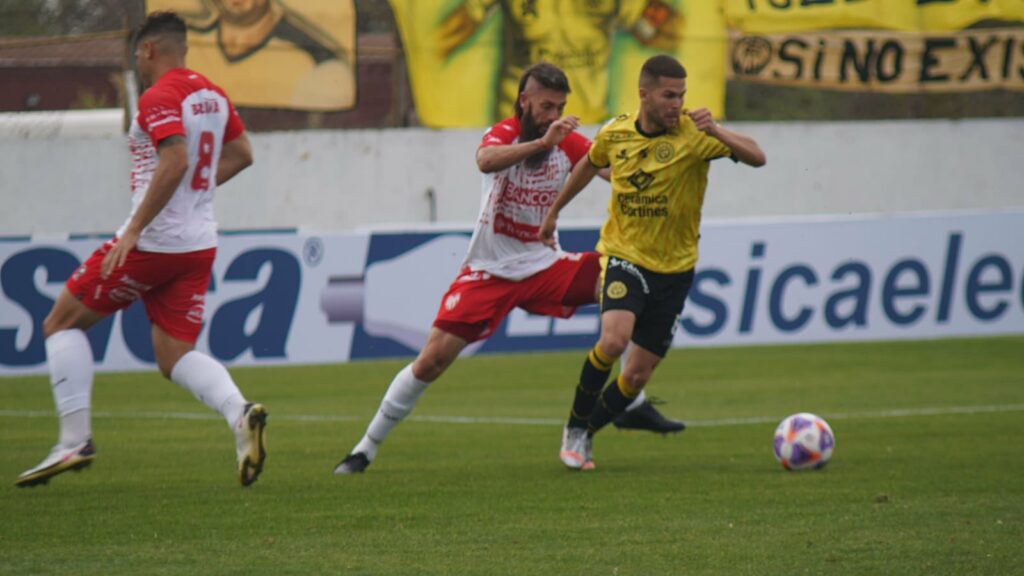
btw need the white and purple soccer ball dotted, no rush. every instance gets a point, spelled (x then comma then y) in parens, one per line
(803, 441)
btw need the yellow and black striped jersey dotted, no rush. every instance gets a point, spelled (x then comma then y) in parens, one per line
(658, 184)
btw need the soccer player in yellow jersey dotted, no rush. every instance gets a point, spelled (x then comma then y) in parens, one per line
(659, 158)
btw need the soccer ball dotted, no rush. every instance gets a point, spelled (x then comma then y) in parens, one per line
(803, 441)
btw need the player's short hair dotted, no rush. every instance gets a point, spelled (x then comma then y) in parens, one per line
(547, 75)
(661, 66)
(162, 24)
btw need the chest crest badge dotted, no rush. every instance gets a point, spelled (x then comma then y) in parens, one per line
(663, 152)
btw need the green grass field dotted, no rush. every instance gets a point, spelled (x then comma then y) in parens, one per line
(927, 477)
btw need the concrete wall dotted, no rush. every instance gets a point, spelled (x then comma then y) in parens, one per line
(60, 174)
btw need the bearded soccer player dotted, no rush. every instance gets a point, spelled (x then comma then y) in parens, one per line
(659, 159)
(525, 160)
(185, 141)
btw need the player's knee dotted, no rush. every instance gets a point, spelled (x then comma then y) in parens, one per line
(614, 345)
(69, 314)
(54, 323)
(50, 326)
(168, 352)
(429, 367)
(165, 369)
(635, 381)
(166, 364)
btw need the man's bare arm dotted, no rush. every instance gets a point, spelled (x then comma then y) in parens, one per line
(743, 147)
(497, 158)
(581, 175)
(171, 168)
(234, 157)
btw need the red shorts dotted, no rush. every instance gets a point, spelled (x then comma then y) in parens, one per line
(172, 286)
(477, 302)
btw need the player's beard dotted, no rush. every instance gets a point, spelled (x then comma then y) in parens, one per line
(529, 131)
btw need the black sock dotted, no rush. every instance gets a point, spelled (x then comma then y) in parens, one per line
(595, 372)
(613, 403)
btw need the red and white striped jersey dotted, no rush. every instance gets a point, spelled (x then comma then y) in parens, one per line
(181, 103)
(514, 203)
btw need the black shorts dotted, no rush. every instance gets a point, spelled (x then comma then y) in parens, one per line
(656, 299)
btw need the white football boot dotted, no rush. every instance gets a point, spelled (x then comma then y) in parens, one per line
(250, 444)
(576, 449)
(59, 460)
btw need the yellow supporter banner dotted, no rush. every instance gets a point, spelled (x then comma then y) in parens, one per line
(946, 15)
(272, 53)
(774, 16)
(702, 48)
(465, 57)
(883, 61)
(452, 84)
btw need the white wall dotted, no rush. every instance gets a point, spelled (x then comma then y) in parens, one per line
(62, 175)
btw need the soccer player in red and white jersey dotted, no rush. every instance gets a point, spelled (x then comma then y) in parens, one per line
(186, 140)
(525, 160)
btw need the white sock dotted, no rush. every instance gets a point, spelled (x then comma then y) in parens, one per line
(403, 393)
(209, 381)
(637, 401)
(69, 357)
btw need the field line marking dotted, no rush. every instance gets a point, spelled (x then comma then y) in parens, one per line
(754, 420)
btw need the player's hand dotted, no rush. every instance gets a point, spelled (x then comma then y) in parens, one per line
(118, 253)
(558, 130)
(702, 119)
(546, 234)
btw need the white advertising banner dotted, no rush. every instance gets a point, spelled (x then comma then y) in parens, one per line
(295, 298)
(857, 278)
(262, 306)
